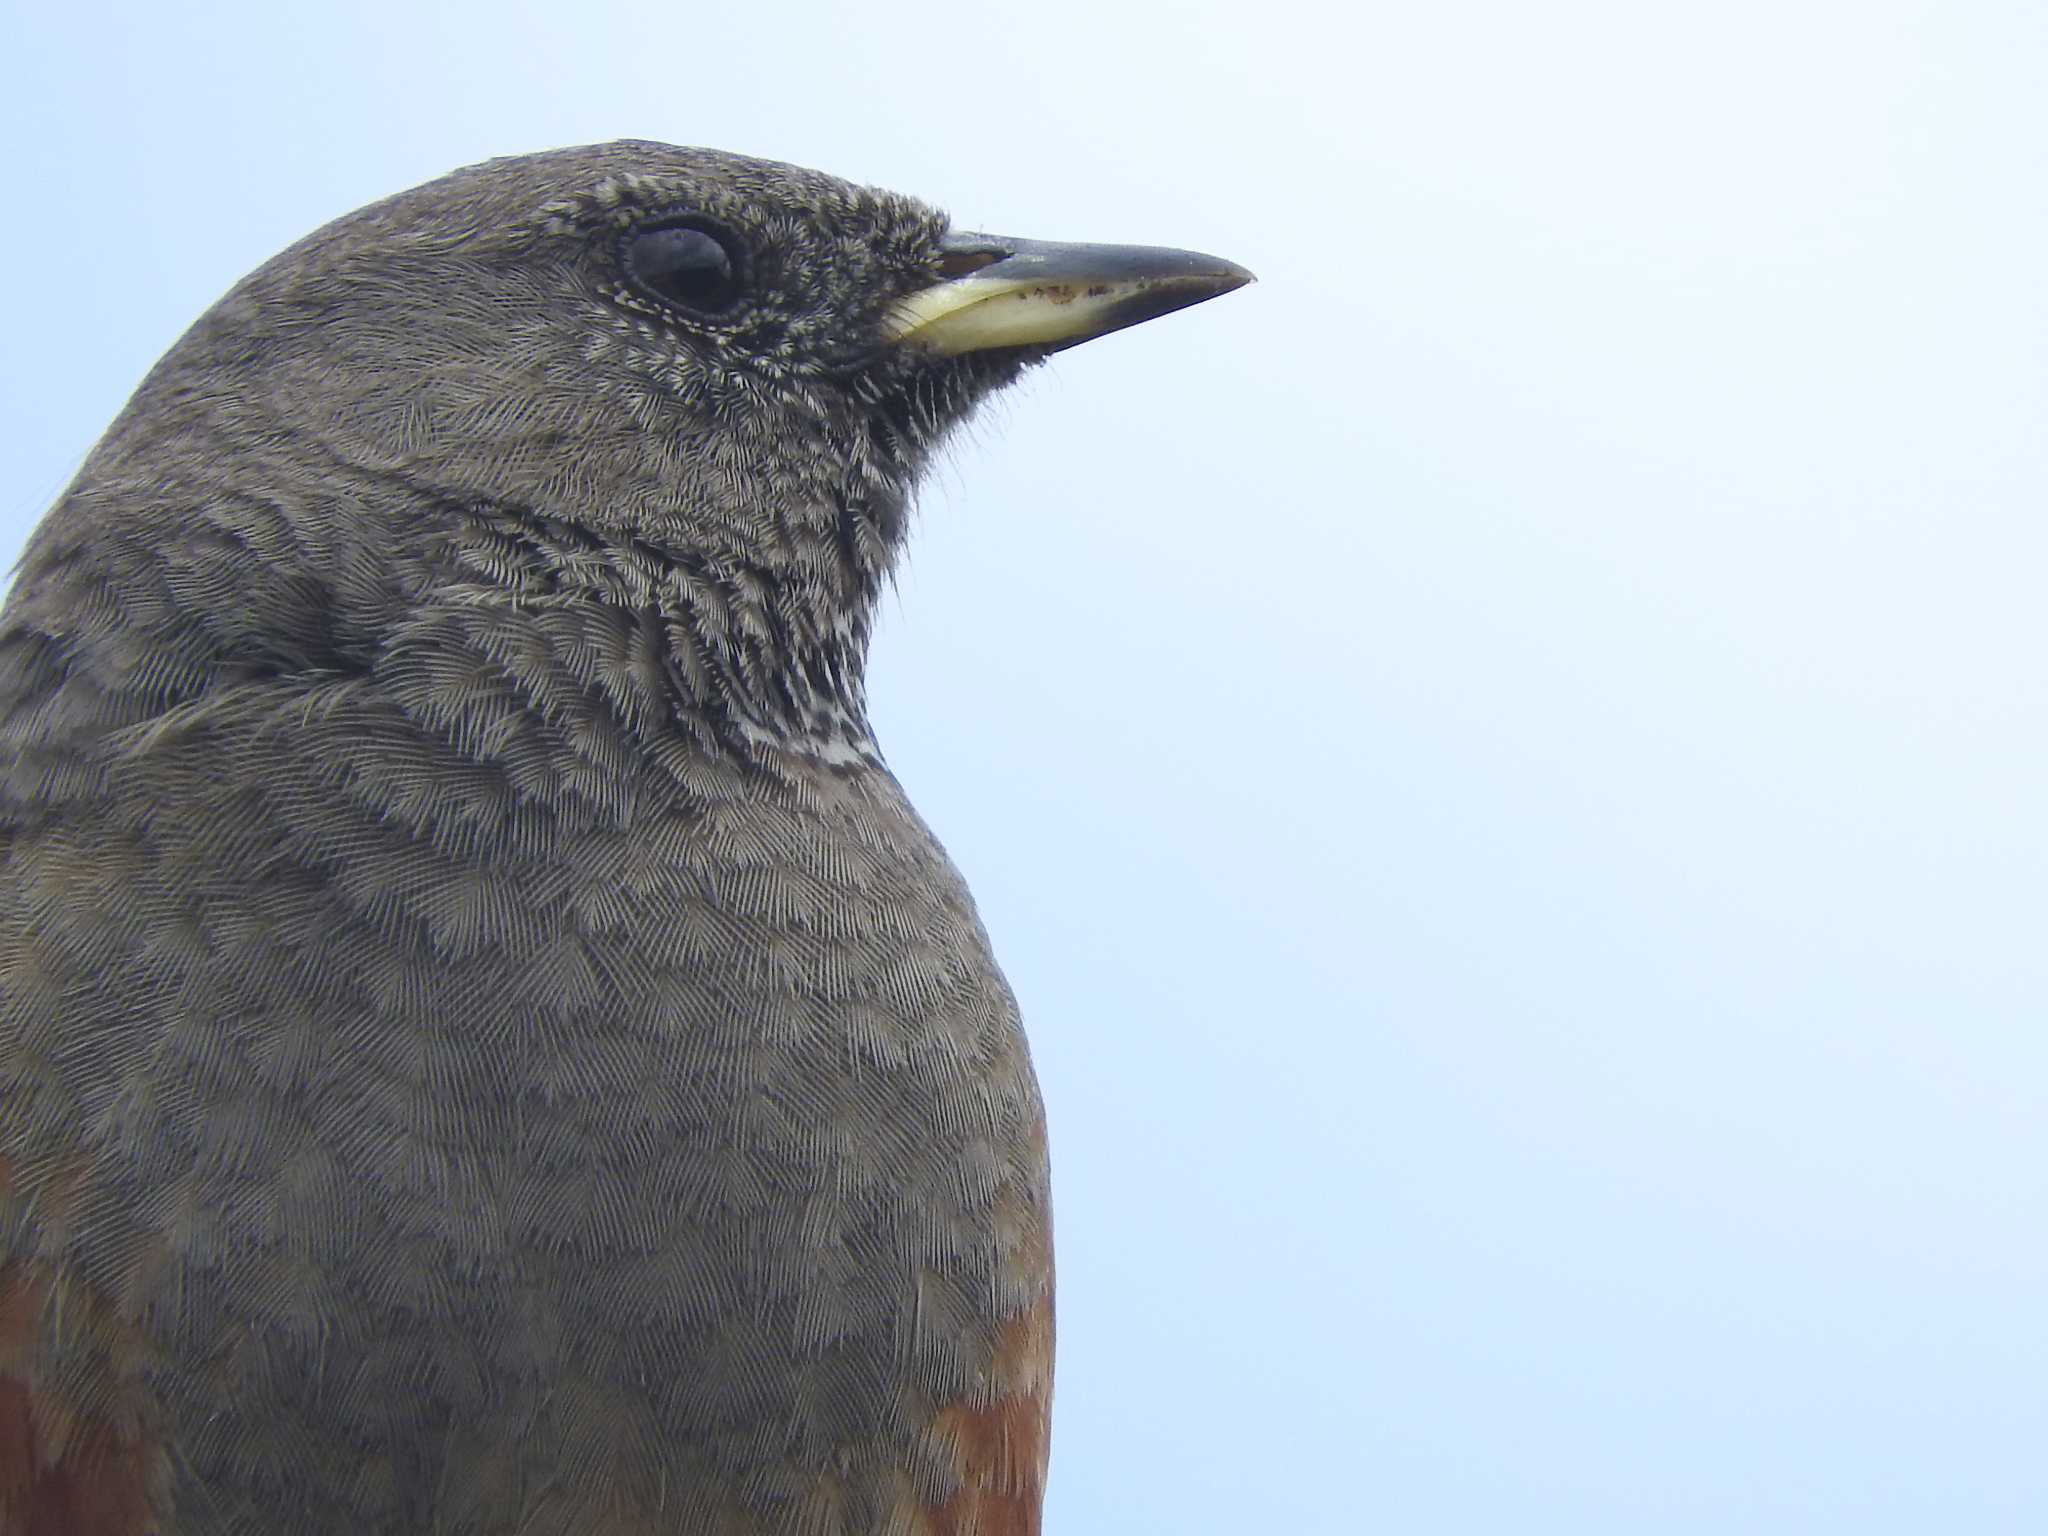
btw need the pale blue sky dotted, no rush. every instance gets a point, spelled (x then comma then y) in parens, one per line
(1505, 763)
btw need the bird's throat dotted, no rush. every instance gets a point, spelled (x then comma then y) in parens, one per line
(735, 656)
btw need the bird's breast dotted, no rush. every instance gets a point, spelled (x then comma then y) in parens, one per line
(407, 1098)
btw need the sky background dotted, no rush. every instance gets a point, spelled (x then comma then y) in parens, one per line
(1505, 763)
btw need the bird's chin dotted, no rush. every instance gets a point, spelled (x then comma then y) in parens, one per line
(922, 397)
(997, 366)
(975, 376)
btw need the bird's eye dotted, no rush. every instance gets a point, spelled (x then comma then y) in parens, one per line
(686, 265)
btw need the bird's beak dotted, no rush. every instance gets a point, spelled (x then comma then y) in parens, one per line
(1033, 293)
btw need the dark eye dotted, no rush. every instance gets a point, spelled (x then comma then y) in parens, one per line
(687, 265)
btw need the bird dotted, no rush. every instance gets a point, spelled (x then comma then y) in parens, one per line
(486, 1044)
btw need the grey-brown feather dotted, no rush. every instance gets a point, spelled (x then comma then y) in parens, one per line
(470, 991)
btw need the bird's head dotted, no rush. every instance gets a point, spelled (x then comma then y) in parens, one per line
(721, 353)
(734, 366)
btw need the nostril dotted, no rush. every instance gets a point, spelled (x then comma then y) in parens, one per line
(959, 263)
